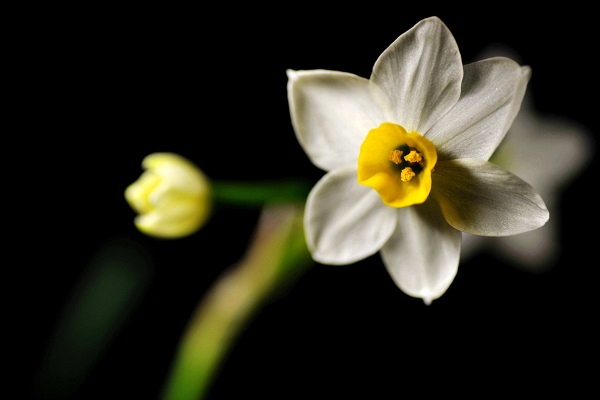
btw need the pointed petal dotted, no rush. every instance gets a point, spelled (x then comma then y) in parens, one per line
(420, 75)
(492, 93)
(345, 221)
(331, 112)
(480, 198)
(423, 253)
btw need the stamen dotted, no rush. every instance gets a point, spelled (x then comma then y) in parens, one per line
(395, 156)
(407, 174)
(413, 157)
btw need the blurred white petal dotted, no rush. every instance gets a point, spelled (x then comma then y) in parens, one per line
(549, 152)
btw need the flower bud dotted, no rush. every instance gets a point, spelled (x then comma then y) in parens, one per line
(172, 197)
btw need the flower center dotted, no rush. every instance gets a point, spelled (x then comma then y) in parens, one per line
(409, 165)
(397, 164)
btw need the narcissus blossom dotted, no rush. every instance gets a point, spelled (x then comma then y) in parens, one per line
(406, 153)
(172, 196)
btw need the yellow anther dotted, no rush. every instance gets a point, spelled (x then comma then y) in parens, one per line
(407, 174)
(395, 156)
(413, 157)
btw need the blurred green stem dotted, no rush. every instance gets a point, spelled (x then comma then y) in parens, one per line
(260, 193)
(276, 256)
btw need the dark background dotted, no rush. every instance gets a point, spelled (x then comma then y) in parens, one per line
(99, 89)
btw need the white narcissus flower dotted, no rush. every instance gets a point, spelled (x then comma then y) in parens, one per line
(172, 196)
(406, 158)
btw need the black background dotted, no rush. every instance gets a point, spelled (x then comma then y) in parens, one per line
(99, 89)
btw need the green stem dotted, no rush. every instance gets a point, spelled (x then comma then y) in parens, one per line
(259, 193)
(275, 258)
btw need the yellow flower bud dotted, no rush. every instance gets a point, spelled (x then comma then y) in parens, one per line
(172, 196)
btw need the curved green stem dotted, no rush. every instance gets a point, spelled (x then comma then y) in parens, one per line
(276, 256)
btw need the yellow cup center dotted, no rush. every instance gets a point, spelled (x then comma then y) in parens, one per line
(397, 164)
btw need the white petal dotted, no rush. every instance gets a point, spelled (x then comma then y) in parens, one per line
(492, 92)
(480, 198)
(423, 253)
(331, 112)
(420, 74)
(546, 151)
(534, 251)
(472, 244)
(345, 221)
